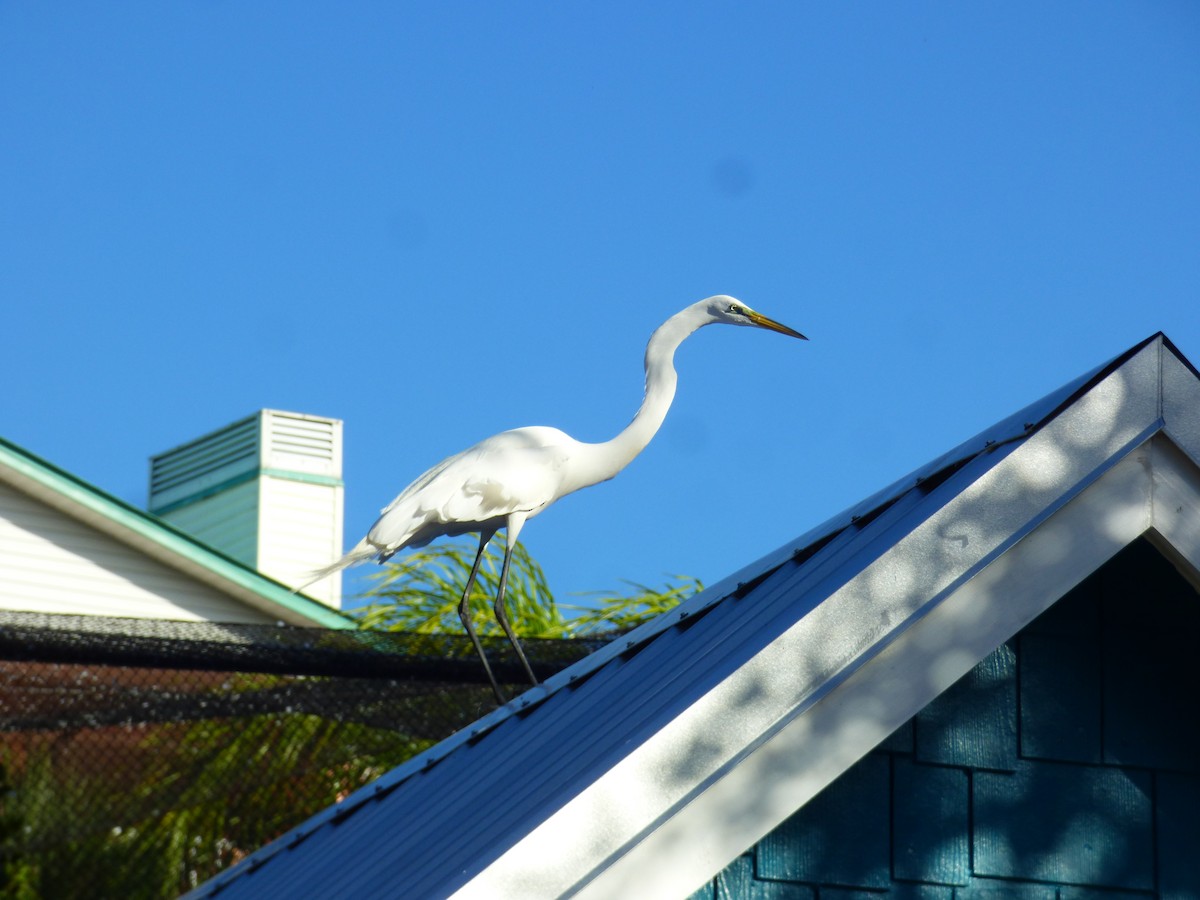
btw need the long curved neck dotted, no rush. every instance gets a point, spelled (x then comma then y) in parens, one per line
(608, 458)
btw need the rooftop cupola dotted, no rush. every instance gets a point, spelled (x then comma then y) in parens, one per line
(266, 490)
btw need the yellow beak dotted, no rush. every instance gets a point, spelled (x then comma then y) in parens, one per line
(763, 322)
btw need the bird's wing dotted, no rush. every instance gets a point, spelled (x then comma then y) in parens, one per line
(516, 471)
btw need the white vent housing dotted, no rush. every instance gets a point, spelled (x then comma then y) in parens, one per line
(267, 490)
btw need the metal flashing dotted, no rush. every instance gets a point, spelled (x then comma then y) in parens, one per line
(634, 772)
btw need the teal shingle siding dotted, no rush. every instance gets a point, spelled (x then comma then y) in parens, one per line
(974, 723)
(1065, 823)
(1061, 703)
(1065, 766)
(1178, 799)
(841, 837)
(929, 823)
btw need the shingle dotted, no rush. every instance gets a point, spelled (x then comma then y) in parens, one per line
(1060, 698)
(898, 891)
(738, 882)
(1065, 823)
(902, 740)
(1085, 893)
(840, 837)
(1076, 615)
(930, 823)
(1149, 665)
(989, 889)
(974, 722)
(1178, 829)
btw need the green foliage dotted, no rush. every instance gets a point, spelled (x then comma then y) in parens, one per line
(181, 801)
(618, 612)
(202, 795)
(15, 875)
(421, 592)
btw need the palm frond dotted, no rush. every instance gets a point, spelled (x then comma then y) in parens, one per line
(420, 593)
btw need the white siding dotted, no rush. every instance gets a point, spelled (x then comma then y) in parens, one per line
(300, 529)
(50, 562)
(227, 521)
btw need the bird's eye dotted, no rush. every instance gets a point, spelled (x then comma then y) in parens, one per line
(735, 309)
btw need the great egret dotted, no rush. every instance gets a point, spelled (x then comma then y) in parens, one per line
(506, 479)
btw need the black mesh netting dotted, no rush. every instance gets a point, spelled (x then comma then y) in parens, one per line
(139, 757)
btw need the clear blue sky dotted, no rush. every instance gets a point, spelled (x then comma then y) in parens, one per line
(438, 221)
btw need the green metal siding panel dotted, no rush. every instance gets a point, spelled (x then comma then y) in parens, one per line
(930, 807)
(228, 521)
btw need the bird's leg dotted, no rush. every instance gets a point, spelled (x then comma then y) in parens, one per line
(464, 613)
(512, 529)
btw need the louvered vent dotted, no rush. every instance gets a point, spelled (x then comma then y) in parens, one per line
(204, 464)
(301, 443)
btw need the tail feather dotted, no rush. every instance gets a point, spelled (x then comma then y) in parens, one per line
(360, 554)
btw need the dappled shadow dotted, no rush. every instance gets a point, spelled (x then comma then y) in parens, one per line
(684, 749)
(999, 783)
(882, 640)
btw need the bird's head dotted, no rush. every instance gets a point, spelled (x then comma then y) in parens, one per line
(726, 310)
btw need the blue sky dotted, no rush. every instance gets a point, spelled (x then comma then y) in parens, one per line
(439, 221)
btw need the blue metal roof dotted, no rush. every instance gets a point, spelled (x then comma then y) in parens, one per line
(428, 827)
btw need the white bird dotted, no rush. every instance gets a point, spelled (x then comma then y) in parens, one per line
(510, 477)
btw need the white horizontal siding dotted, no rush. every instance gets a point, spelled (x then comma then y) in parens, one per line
(50, 562)
(300, 529)
(227, 521)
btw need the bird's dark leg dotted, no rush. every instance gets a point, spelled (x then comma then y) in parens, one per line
(511, 531)
(464, 613)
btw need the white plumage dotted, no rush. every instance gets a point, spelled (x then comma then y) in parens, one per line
(510, 477)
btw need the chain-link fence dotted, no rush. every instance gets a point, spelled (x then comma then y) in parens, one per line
(140, 757)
